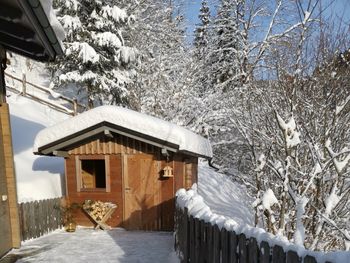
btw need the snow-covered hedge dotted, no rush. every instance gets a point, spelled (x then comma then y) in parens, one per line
(198, 209)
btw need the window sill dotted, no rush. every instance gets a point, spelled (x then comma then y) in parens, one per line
(102, 190)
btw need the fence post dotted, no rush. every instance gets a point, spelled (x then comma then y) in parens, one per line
(242, 245)
(264, 253)
(209, 234)
(233, 243)
(203, 242)
(24, 84)
(292, 257)
(216, 243)
(278, 254)
(197, 239)
(253, 254)
(186, 236)
(309, 259)
(224, 246)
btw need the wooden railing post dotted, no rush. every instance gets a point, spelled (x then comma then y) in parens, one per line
(24, 84)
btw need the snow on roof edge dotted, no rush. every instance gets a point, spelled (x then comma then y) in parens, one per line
(129, 119)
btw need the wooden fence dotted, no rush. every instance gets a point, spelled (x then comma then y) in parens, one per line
(39, 217)
(198, 241)
(61, 102)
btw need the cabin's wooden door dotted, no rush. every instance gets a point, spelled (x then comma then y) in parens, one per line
(141, 193)
(5, 225)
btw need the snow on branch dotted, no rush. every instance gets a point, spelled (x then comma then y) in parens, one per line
(289, 129)
(85, 52)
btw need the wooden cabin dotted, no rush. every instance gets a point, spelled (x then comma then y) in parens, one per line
(131, 159)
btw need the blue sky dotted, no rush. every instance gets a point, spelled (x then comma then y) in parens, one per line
(338, 8)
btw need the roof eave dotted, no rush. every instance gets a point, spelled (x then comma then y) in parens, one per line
(40, 22)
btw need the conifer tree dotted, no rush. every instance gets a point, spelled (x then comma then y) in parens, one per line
(227, 46)
(201, 37)
(97, 62)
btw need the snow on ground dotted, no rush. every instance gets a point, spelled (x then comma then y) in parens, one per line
(89, 245)
(223, 196)
(37, 177)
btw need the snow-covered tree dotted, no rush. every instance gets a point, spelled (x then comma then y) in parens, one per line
(294, 126)
(159, 35)
(228, 45)
(97, 62)
(202, 31)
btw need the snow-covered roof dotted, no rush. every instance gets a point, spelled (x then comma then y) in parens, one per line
(127, 121)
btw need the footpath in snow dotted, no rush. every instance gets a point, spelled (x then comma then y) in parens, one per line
(87, 245)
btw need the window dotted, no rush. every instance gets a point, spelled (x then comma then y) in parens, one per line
(92, 173)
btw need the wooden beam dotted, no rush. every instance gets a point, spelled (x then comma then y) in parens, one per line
(108, 133)
(16, 30)
(10, 13)
(61, 154)
(6, 147)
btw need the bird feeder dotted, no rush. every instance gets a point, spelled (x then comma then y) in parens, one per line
(168, 171)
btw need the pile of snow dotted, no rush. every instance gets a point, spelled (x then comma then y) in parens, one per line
(198, 208)
(37, 177)
(129, 119)
(224, 196)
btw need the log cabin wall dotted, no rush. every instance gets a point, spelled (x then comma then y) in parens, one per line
(134, 181)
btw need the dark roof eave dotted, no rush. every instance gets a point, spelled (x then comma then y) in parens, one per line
(40, 22)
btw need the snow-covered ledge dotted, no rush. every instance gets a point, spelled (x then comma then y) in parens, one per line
(198, 209)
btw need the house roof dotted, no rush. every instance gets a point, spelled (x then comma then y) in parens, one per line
(25, 29)
(112, 119)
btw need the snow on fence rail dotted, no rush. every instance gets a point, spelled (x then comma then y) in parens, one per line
(202, 236)
(39, 217)
(59, 99)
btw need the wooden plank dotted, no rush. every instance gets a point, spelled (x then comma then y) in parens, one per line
(292, 257)
(192, 240)
(9, 175)
(310, 259)
(242, 249)
(186, 236)
(32, 220)
(197, 239)
(264, 252)
(203, 243)
(216, 244)
(25, 229)
(36, 219)
(210, 251)
(224, 246)
(253, 251)
(278, 254)
(233, 244)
